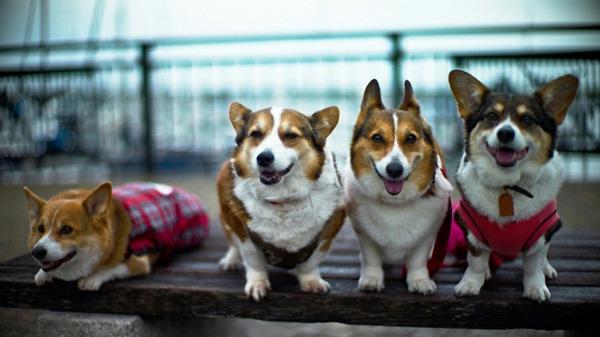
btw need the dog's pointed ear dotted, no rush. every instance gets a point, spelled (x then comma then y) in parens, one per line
(371, 101)
(323, 122)
(409, 102)
(467, 91)
(557, 96)
(238, 115)
(372, 97)
(34, 205)
(97, 202)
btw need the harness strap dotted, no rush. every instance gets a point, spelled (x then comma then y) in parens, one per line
(282, 258)
(436, 260)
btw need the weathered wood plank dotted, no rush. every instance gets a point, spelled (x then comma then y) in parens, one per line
(185, 295)
(447, 275)
(192, 286)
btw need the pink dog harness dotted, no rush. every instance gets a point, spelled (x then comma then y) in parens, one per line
(511, 238)
(163, 218)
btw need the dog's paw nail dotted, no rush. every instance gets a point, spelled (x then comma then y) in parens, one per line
(488, 273)
(550, 272)
(257, 290)
(89, 284)
(423, 286)
(538, 294)
(42, 278)
(230, 264)
(467, 288)
(370, 283)
(315, 286)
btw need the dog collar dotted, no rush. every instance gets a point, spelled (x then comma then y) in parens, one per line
(519, 189)
(282, 202)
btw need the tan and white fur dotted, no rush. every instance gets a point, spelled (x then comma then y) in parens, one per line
(281, 183)
(82, 235)
(524, 127)
(394, 202)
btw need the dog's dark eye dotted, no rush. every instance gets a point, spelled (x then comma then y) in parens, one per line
(377, 138)
(40, 228)
(410, 139)
(527, 120)
(492, 116)
(291, 135)
(255, 134)
(65, 230)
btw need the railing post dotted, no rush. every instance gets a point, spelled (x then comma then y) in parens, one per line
(396, 61)
(146, 96)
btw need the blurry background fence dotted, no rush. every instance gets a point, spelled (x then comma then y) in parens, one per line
(73, 112)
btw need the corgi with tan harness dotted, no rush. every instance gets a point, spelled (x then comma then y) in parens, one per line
(280, 195)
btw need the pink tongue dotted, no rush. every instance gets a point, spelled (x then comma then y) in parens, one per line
(393, 187)
(505, 156)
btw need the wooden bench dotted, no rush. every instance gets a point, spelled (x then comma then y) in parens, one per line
(193, 286)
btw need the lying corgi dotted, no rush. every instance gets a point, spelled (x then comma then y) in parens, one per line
(509, 176)
(280, 195)
(396, 193)
(95, 236)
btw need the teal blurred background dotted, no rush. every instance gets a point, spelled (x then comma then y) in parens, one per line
(106, 89)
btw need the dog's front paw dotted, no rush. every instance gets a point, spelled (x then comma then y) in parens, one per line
(314, 285)
(488, 273)
(468, 287)
(42, 278)
(257, 289)
(230, 262)
(537, 293)
(425, 286)
(89, 283)
(370, 283)
(550, 272)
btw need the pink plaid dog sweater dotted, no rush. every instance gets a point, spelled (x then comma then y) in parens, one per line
(163, 218)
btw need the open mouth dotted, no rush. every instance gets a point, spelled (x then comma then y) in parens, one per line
(506, 157)
(268, 177)
(392, 186)
(51, 265)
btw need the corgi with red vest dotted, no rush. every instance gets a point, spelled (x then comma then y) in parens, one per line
(509, 176)
(397, 196)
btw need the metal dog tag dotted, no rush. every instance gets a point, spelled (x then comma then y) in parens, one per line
(505, 204)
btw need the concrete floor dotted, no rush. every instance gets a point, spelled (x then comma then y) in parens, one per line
(41, 323)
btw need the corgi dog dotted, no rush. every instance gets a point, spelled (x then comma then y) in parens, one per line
(280, 195)
(397, 196)
(509, 176)
(95, 236)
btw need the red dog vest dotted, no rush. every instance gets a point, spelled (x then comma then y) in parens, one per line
(436, 260)
(511, 238)
(163, 218)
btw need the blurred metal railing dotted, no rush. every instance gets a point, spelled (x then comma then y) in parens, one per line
(164, 103)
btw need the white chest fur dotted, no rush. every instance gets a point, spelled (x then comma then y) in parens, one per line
(396, 228)
(292, 224)
(483, 194)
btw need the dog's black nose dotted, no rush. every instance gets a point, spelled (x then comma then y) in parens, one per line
(39, 252)
(265, 158)
(394, 169)
(506, 134)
